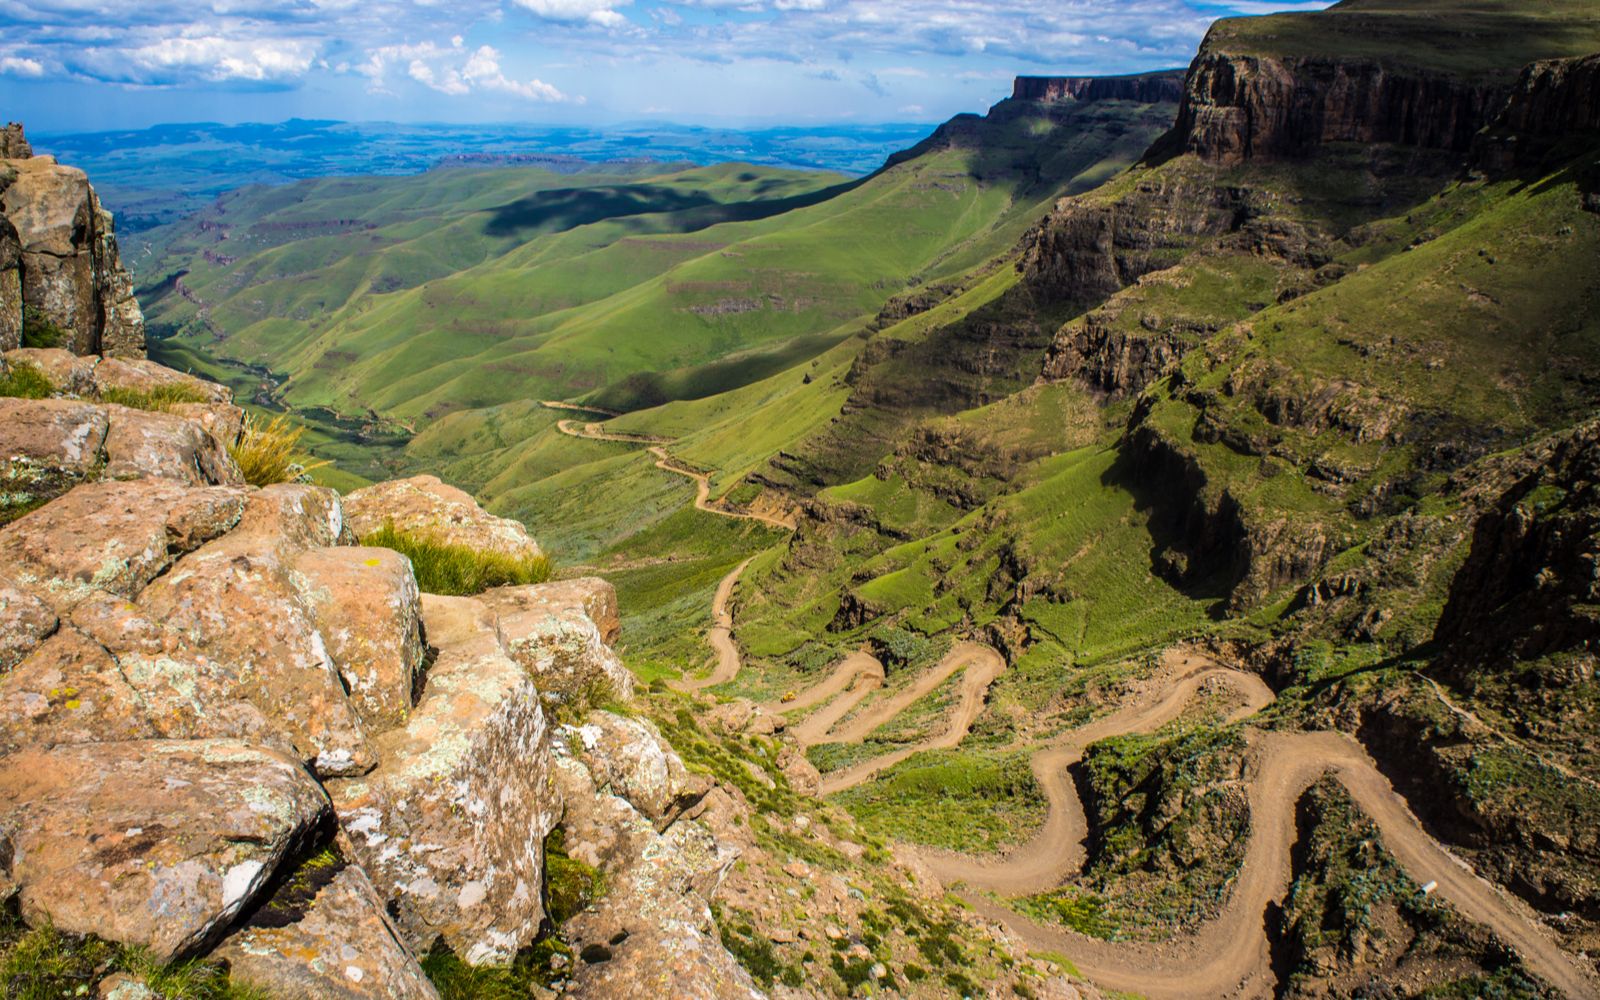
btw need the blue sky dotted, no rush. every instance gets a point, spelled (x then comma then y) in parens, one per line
(91, 64)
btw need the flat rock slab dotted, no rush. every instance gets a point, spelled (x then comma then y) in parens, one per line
(325, 935)
(25, 621)
(424, 505)
(139, 528)
(152, 843)
(46, 445)
(452, 823)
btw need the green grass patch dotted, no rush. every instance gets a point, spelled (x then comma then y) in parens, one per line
(22, 381)
(963, 800)
(570, 886)
(458, 570)
(160, 398)
(39, 331)
(42, 963)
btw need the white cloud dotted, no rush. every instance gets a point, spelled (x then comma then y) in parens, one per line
(601, 12)
(453, 69)
(19, 66)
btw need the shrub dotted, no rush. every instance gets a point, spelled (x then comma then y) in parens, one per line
(26, 382)
(265, 452)
(39, 331)
(162, 397)
(458, 570)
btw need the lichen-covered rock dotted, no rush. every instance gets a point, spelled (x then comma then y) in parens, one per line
(653, 933)
(149, 443)
(25, 621)
(600, 829)
(559, 633)
(366, 604)
(423, 505)
(153, 843)
(195, 653)
(69, 691)
(223, 421)
(325, 935)
(628, 757)
(451, 825)
(47, 445)
(139, 528)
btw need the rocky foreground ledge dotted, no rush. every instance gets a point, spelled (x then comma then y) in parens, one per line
(229, 730)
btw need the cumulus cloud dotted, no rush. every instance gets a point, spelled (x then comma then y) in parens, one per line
(20, 66)
(601, 12)
(453, 69)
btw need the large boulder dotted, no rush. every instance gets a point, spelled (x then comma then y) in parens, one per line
(425, 506)
(226, 623)
(153, 843)
(366, 604)
(71, 271)
(629, 758)
(653, 934)
(69, 373)
(140, 527)
(451, 826)
(144, 375)
(561, 634)
(325, 935)
(151, 443)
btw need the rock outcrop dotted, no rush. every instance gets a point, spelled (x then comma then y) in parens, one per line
(226, 730)
(1144, 88)
(1555, 104)
(47, 446)
(422, 505)
(59, 264)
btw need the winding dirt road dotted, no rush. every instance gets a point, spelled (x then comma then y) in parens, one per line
(720, 636)
(1057, 851)
(664, 461)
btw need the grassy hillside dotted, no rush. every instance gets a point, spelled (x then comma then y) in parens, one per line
(416, 297)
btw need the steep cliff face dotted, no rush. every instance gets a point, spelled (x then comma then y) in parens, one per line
(1248, 107)
(59, 264)
(1556, 103)
(1145, 88)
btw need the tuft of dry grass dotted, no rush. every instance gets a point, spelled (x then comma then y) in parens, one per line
(458, 570)
(266, 451)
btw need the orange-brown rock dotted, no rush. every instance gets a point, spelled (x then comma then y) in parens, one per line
(426, 506)
(326, 938)
(156, 843)
(70, 690)
(366, 605)
(451, 825)
(558, 633)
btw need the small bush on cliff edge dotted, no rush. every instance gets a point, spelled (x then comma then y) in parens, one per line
(458, 570)
(265, 452)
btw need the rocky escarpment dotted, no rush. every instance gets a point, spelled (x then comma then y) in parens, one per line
(1145, 88)
(1555, 104)
(1249, 107)
(60, 272)
(227, 730)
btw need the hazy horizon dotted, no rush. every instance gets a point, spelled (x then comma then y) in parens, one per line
(94, 65)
